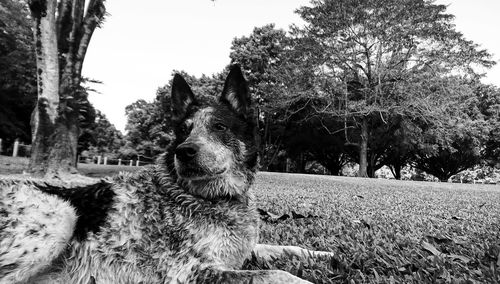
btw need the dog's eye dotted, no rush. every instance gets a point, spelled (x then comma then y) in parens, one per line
(220, 126)
(186, 127)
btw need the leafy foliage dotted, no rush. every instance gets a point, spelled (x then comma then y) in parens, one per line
(371, 58)
(17, 71)
(488, 104)
(100, 137)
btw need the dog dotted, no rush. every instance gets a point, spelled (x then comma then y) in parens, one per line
(188, 219)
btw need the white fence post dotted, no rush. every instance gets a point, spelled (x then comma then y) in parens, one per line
(0, 145)
(131, 162)
(98, 160)
(137, 162)
(119, 162)
(16, 148)
(105, 160)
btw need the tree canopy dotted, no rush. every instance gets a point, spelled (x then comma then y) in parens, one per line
(378, 82)
(17, 72)
(374, 58)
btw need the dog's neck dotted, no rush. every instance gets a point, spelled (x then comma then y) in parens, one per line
(227, 188)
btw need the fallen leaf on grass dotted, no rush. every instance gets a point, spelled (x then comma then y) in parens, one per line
(445, 275)
(358, 196)
(439, 239)
(430, 248)
(462, 258)
(377, 277)
(361, 221)
(264, 213)
(269, 216)
(297, 216)
(283, 217)
(457, 218)
(461, 240)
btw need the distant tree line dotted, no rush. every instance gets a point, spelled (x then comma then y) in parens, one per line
(378, 82)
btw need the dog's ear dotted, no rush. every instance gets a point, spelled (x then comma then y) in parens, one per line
(236, 93)
(182, 97)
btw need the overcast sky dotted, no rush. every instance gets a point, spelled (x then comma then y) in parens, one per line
(140, 44)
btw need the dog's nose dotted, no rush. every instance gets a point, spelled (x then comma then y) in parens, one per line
(186, 151)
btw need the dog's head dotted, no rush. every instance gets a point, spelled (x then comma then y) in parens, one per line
(215, 152)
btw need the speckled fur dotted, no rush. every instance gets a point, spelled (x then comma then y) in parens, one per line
(158, 226)
(35, 228)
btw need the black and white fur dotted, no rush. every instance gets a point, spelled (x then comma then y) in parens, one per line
(189, 219)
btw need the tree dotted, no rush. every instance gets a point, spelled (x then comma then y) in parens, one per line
(309, 141)
(452, 140)
(399, 144)
(488, 103)
(144, 128)
(62, 30)
(444, 156)
(365, 50)
(100, 137)
(17, 71)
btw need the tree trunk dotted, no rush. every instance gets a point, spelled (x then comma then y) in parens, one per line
(396, 170)
(288, 165)
(363, 149)
(45, 117)
(335, 170)
(62, 40)
(371, 167)
(302, 164)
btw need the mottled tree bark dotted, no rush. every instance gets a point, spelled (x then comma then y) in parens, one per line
(62, 40)
(363, 149)
(396, 170)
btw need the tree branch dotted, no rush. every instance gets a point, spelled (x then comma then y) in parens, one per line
(94, 16)
(63, 22)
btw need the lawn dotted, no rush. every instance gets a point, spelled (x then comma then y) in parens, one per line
(384, 231)
(381, 231)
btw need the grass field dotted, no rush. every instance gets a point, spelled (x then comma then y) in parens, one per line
(384, 231)
(381, 231)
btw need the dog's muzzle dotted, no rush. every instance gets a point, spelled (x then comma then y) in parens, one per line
(186, 152)
(192, 163)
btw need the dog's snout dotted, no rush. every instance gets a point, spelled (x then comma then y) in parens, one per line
(186, 151)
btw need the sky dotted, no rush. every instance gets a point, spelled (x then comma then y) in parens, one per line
(139, 45)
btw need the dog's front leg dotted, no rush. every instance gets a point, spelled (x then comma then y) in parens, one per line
(268, 252)
(220, 276)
